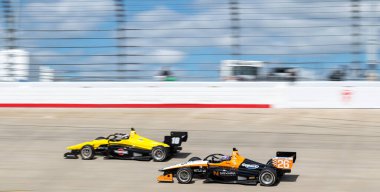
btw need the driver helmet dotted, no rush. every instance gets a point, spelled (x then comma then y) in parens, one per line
(126, 136)
(225, 158)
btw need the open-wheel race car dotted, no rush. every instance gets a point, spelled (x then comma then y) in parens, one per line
(128, 146)
(233, 169)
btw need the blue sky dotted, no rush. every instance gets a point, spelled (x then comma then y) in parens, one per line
(277, 31)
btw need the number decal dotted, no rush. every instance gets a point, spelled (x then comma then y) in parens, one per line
(175, 140)
(283, 163)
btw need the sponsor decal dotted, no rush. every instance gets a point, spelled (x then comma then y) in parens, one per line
(200, 170)
(224, 173)
(121, 151)
(227, 173)
(347, 95)
(249, 166)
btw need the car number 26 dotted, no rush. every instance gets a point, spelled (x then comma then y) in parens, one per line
(284, 163)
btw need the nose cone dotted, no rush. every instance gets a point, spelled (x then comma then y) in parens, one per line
(165, 178)
(72, 147)
(75, 147)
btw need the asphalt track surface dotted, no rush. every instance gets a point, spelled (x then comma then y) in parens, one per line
(338, 150)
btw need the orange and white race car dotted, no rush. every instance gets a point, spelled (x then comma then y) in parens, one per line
(221, 168)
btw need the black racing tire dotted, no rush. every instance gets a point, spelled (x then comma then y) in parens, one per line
(194, 159)
(160, 153)
(268, 177)
(87, 152)
(184, 175)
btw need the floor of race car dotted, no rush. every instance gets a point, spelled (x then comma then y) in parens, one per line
(337, 150)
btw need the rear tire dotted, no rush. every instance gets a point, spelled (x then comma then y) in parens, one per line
(268, 177)
(159, 153)
(184, 175)
(87, 152)
(195, 159)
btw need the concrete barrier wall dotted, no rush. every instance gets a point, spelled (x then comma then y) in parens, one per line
(193, 94)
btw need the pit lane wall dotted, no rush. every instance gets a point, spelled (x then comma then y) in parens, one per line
(192, 94)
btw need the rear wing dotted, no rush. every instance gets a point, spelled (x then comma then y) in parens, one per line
(176, 138)
(284, 160)
(287, 154)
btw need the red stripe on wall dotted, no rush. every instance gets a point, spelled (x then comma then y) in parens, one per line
(163, 105)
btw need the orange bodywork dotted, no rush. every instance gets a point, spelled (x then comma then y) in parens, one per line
(234, 163)
(284, 162)
(165, 178)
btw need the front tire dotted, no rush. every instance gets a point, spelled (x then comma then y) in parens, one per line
(184, 175)
(87, 152)
(268, 177)
(159, 153)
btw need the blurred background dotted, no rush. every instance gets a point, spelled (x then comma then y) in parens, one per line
(189, 40)
(74, 70)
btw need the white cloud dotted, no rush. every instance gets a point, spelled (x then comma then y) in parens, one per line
(258, 18)
(255, 22)
(65, 14)
(165, 56)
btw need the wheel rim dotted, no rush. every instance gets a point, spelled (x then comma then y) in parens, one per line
(159, 154)
(184, 176)
(86, 152)
(267, 178)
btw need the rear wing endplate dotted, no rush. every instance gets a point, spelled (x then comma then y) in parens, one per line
(287, 154)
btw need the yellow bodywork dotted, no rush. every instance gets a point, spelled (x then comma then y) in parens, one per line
(134, 140)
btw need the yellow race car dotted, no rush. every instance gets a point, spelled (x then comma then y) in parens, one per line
(128, 146)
